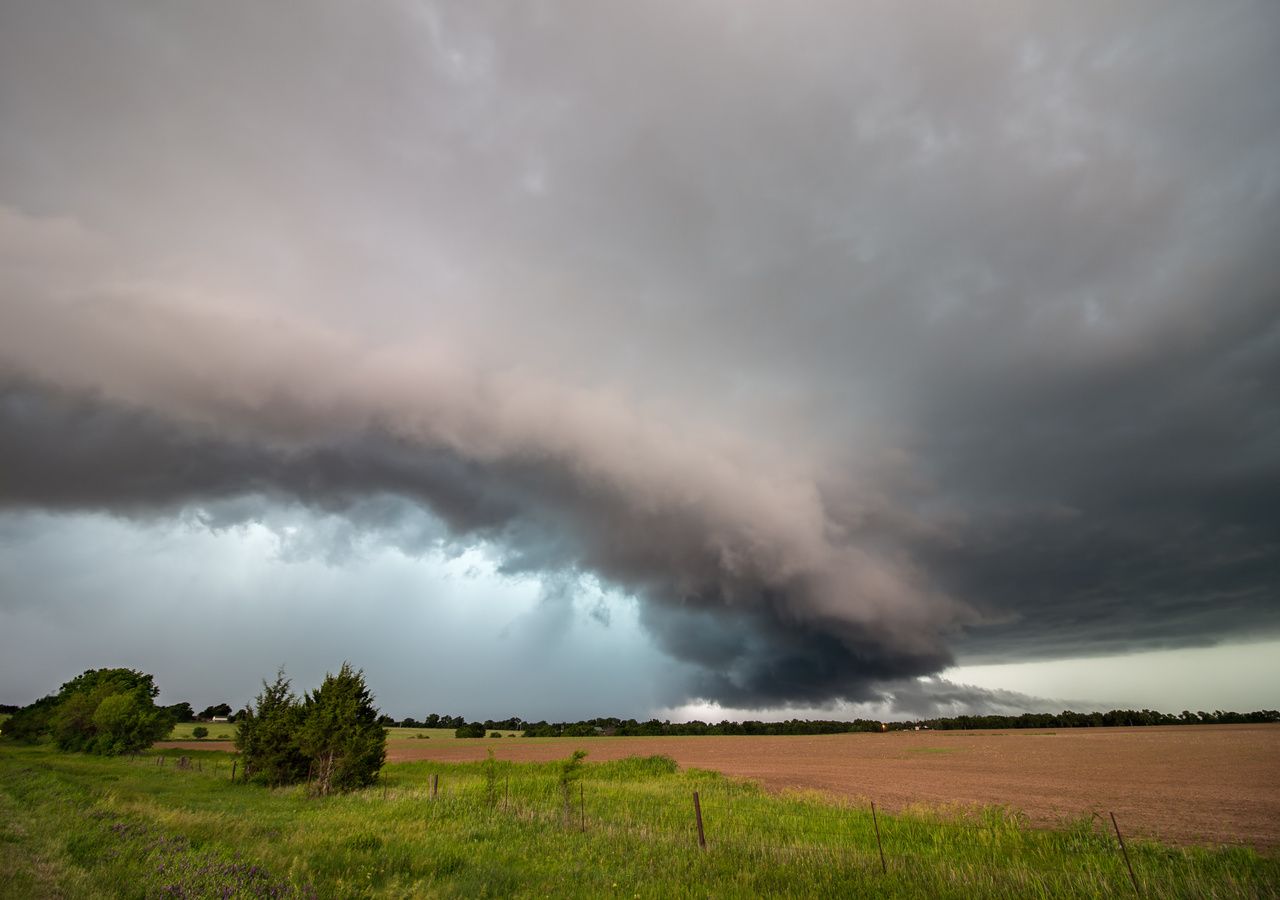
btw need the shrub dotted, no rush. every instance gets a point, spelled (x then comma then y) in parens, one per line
(268, 736)
(342, 734)
(104, 711)
(570, 771)
(469, 730)
(332, 735)
(199, 732)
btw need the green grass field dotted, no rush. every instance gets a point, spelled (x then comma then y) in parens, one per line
(218, 731)
(79, 826)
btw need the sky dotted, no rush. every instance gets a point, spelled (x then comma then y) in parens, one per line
(574, 359)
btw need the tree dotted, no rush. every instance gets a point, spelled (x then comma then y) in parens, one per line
(181, 712)
(103, 711)
(222, 709)
(30, 724)
(341, 732)
(268, 736)
(471, 730)
(199, 732)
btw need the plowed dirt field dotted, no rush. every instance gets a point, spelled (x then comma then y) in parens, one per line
(1190, 784)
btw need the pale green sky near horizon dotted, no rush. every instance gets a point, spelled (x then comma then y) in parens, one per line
(1190, 678)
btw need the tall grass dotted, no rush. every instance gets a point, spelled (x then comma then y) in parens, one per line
(81, 826)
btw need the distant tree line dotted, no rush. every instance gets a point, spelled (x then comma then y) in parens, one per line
(655, 727)
(1116, 718)
(435, 720)
(604, 727)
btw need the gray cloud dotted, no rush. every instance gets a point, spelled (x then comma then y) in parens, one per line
(849, 340)
(791, 617)
(937, 697)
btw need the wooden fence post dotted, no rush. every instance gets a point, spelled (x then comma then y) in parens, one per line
(582, 805)
(876, 822)
(233, 769)
(435, 785)
(1124, 850)
(697, 814)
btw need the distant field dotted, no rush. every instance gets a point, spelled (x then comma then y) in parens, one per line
(218, 731)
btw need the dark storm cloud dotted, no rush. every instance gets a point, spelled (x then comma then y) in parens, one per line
(925, 698)
(847, 337)
(762, 633)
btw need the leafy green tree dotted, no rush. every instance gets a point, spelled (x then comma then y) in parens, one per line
(30, 724)
(469, 730)
(182, 712)
(199, 732)
(108, 711)
(105, 711)
(127, 722)
(341, 732)
(268, 739)
(222, 709)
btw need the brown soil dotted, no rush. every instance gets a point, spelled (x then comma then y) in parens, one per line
(1201, 784)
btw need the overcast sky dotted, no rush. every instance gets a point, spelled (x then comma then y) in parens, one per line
(568, 359)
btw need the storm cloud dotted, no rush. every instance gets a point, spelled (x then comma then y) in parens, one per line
(850, 340)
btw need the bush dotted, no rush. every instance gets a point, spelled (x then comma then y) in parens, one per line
(332, 736)
(342, 734)
(103, 711)
(199, 732)
(268, 736)
(570, 771)
(469, 730)
(30, 724)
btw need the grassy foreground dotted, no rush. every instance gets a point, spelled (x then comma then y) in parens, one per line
(79, 826)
